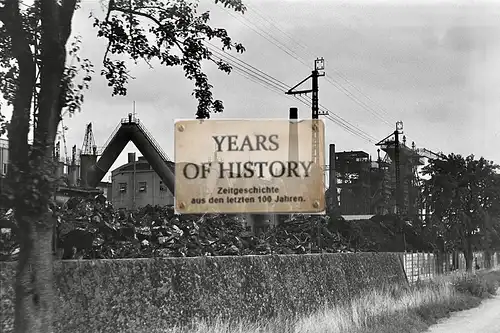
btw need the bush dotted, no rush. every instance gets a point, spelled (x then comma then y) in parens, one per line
(124, 295)
(475, 285)
(492, 278)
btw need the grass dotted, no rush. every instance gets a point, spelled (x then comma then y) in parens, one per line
(410, 309)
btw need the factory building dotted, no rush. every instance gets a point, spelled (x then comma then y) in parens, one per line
(68, 172)
(135, 184)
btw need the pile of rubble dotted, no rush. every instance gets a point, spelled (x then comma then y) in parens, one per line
(93, 229)
(305, 234)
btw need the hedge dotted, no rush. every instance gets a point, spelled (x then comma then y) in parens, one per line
(133, 295)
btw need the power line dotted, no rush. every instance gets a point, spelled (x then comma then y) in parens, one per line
(276, 43)
(287, 50)
(275, 85)
(303, 46)
(346, 25)
(340, 74)
(279, 86)
(218, 50)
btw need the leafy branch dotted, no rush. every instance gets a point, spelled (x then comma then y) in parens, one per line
(76, 77)
(172, 33)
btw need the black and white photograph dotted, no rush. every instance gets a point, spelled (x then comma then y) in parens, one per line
(249, 166)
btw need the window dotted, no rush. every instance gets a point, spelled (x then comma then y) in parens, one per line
(5, 168)
(123, 187)
(142, 186)
(163, 188)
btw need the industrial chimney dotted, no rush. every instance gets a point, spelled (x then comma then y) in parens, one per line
(293, 144)
(73, 171)
(87, 163)
(332, 186)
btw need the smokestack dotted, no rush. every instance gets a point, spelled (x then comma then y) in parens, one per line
(87, 162)
(57, 153)
(73, 155)
(131, 157)
(71, 173)
(332, 176)
(75, 174)
(60, 171)
(293, 145)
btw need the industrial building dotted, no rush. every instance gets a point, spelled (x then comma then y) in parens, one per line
(68, 172)
(388, 185)
(148, 180)
(367, 187)
(362, 186)
(136, 184)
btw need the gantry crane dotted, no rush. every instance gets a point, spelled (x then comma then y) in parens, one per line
(89, 147)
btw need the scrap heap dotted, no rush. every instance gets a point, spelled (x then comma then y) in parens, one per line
(303, 234)
(93, 229)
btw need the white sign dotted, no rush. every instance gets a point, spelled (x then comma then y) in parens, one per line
(249, 166)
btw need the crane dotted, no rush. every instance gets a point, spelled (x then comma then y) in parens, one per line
(58, 145)
(89, 147)
(63, 131)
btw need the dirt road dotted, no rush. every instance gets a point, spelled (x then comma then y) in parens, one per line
(483, 319)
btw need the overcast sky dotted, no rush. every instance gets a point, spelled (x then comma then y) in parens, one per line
(434, 65)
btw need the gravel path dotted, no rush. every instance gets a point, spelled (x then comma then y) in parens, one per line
(483, 319)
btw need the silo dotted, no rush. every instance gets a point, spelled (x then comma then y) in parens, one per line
(87, 163)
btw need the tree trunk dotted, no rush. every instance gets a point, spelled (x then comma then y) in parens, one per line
(30, 173)
(487, 260)
(469, 256)
(33, 286)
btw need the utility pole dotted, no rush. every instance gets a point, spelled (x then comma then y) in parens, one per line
(399, 194)
(134, 175)
(319, 66)
(397, 163)
(398, 170)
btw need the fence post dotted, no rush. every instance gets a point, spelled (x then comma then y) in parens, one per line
(436, 264)
(437, 257)
(418, 265)
(432, 265)
(426, 260)
(429, 264)
(412, 267)
(411, 256)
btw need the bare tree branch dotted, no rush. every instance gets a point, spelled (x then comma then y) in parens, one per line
(137, 13)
